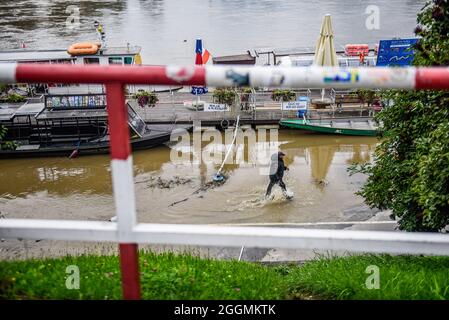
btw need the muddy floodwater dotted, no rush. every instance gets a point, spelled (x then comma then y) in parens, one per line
(171, 187)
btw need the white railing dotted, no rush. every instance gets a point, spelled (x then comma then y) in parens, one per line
(128, 232)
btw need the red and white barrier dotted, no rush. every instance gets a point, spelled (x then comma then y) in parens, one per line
(123, 187)
(224, 76)
(128, 232)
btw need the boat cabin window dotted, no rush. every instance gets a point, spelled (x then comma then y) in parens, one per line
(91, 60)
(128, 60)
(116, 60)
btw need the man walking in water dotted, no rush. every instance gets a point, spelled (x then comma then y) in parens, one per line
(277, 168)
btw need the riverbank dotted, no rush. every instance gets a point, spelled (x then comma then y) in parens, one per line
(171, 276)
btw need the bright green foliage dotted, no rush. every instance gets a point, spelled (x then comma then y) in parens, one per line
(410, 172)
(400, 277)
(170, 276)
(163, 276)
(15, 98)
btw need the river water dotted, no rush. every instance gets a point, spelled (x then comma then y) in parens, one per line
(166, 29)
(179, 190)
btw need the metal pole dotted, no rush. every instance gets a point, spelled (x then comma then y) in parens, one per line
(241, 253)
(121, 163)
(129, 262)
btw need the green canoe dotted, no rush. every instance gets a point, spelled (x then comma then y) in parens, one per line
(346, 126)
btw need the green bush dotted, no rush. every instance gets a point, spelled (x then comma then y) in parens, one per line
(410, 171)
(283, 95)
(224, 95)
(15, 98)
(3, 87)
(6, 145)
(3, 130)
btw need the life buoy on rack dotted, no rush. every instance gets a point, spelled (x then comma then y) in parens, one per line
(356, 49)
(83, 48)
(224, 123)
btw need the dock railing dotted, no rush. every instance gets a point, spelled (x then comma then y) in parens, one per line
(128, 232)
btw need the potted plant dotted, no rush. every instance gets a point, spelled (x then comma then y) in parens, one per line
(224, 95)
(14, 98)
(283, 95)
(244, 97)
(145, 98)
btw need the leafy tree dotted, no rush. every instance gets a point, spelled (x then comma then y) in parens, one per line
(410, 171)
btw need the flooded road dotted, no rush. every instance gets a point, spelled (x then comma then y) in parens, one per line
(166, 29)
(181, 191)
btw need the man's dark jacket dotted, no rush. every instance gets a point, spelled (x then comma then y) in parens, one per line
(277, 169)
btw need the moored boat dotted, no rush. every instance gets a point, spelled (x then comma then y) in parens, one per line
(71, 125)
(340, 126)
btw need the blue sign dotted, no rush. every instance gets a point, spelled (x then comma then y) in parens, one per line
(396, 52)
(199, 90)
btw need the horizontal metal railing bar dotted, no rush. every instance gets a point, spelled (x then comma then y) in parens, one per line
(75, 230)
(230, 236)
(320, 223)
(232, 76)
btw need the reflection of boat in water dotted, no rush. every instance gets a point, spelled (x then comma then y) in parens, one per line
(320, 160)
(340, 126)
(71, 125)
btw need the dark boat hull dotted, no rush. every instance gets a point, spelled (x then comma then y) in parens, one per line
(85, 149)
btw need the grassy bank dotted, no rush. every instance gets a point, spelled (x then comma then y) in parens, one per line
(170, 276)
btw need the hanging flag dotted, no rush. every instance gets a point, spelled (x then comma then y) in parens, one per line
(199, 60)
(199, 52)
(206, 56)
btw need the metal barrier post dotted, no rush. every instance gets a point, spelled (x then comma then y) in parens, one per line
(123, 186)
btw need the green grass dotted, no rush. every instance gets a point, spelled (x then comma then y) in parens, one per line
(163, 276)
(401, 277)
(170, 276)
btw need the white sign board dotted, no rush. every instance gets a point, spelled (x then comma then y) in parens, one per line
(216, 107)
(294, 105)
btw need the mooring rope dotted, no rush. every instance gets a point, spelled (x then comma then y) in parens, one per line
(230, 148)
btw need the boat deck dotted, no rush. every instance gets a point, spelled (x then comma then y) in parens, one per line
(356, 123)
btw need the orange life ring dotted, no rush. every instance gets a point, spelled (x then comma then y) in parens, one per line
(83, 48)
(356, 49)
